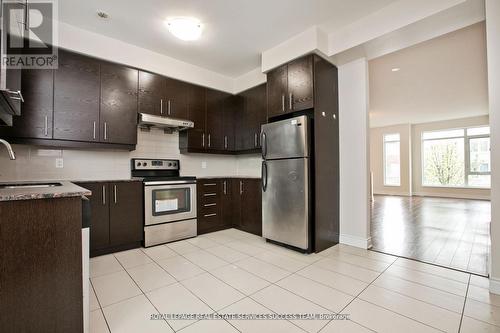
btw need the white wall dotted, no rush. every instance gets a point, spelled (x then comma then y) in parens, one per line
(493, 54)
(109, 165)
(354, 154)
(377, 159)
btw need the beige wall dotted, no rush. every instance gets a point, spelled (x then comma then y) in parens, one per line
(33, 164)
(411, 160)
(377, 159)
(418, 189)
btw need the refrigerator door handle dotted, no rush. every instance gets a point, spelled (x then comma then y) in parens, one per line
(264, 176)
(264, 144)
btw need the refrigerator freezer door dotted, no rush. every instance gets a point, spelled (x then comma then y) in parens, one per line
(285, 208)
(288, 138)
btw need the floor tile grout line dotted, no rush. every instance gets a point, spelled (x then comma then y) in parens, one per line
(100, 307)
(463, 308)
(344, 274)
(362, 256)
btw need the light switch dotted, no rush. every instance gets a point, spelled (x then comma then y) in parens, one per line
(59, 163)
(203, 164)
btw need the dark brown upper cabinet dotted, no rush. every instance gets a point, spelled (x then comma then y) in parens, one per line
(232, 105)
(76, 98)
(250, 118)
(215, 120)
(151, 93)
(118, 116)
(36, 117)
(175, 102)
(196, 138)
(291, 87)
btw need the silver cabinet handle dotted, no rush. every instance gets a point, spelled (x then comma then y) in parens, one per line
(224, 186)
(255, 140)
(209, 194)
(334, 116)
(115, 193)
(210, 215)
(290, 102)
(161, 106)
(94, 130)
(210, 184)
(168, 107)
(104, 195)
(46, 129)
(18, 93)
(283, 102)
(209, 140)
(225, 141)
(105, 131)
(241, 187)
(210, 205)
(203, 140)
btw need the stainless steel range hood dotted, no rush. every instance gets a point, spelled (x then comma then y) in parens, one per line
(146, 121)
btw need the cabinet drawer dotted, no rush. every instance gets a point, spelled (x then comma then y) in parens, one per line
(209, 186)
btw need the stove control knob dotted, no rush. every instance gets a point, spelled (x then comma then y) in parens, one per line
(169, 164)
(145, 164)
(138, 164)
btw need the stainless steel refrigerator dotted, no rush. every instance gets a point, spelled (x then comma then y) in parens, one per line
(286, 194)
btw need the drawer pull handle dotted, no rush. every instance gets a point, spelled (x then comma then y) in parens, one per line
(210, 184)
(210, 205)
(210, 194)
(210, 215)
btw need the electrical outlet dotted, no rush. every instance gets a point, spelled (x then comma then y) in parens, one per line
(203, 165)
(59, 163)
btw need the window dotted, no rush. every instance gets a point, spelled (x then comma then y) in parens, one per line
(456, 157)
(392, 163)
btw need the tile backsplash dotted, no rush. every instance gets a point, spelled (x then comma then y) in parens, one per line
(36, 163)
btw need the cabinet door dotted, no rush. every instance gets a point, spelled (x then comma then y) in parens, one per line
(215, 114)
(277, 89)
(196, 109)
(151, 93)
(176, 99)
(236, 191)
(209, 205)
(251, 206)
(232, 104)
(300, 84)
(99, 204)
(126, 213)
(118, 117)
(252, 117)
(227, 203)
(76, 98)
(38, 107)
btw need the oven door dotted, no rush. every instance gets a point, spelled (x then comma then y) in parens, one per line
(169, 202)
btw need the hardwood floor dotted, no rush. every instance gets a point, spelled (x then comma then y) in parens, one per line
(442, 231)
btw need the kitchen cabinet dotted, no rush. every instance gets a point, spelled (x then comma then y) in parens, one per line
(195, 137)
(215, 120)
(76, 98)
(291, 87)
(35, 120)
(250, 118)
(176, 98)
(117, 215)
(229, 202)
(118, 111)
(151, 90)
(232, 104)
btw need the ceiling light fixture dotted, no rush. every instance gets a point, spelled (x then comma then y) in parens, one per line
(396, 69)
(102, 14)
(185, 28)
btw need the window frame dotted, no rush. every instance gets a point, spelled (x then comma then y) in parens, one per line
(467, 171)
(384, 141)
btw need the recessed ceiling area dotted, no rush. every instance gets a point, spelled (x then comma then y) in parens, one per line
(235, 32)
(440, 79)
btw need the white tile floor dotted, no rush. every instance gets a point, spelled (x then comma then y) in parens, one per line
(232, 272)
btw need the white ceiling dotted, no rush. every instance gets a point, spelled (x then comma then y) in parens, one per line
(440, 79)
(235, 31)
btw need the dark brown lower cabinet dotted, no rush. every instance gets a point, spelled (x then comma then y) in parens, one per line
(229, 202)
(117, 216)
(41, 265)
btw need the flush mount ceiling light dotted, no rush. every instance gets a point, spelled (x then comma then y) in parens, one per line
(102, 14)
(396, 69)
(185, 28)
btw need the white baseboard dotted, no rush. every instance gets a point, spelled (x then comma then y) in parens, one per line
(400, 194)
(452, 195)
(364, 243)
(494, 286)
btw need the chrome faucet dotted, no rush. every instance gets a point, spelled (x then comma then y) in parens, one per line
(7, 145)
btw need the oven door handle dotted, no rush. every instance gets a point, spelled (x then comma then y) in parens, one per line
(174, 182)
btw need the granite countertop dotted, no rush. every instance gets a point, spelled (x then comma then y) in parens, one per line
(132, 179)
(64, 190)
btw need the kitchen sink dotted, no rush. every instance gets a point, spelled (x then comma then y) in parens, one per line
(28, 186)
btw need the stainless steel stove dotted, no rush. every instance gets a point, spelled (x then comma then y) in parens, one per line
(169, 201)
